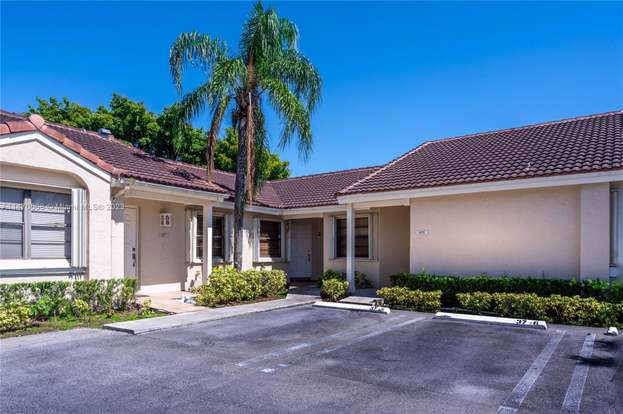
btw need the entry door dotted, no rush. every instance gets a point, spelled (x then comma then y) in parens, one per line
(300, 249)
(130, 231)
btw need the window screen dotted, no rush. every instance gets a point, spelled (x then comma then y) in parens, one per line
(270, 238)
(34, 224)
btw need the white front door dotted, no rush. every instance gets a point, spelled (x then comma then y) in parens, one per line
(300, 249)
(130, 232)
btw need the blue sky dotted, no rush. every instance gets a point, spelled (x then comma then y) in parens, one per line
(395, 74)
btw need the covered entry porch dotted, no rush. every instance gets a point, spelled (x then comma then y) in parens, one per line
(369, 238)
(157, 222)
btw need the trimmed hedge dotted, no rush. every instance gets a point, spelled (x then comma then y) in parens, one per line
(361, 279)
(13, 316)
(414, 300)
(572, 310)
(20, 302)
(334, 289)
(227, 285)
(451, 285)
(57, 298)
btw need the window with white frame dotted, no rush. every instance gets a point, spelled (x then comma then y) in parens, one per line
(34, 224)
(218, 237)
(363, 237)
(269, 240)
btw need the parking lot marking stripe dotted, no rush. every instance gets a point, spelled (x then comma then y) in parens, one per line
(370, 335)
(294, 348)
(516, 397)
(573, 398)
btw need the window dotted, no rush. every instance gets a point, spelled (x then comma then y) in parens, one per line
(362, 237)
(217, 236)
(270, 239)
(218, 232)
(34, 224)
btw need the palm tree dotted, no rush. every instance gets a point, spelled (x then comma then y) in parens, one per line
(269, 68)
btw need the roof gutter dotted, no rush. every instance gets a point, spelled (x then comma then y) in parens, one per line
(130, 187)
(517, 184)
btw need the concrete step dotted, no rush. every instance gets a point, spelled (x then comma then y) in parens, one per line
(362, 300)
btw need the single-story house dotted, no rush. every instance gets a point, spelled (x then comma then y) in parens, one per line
(542, 200)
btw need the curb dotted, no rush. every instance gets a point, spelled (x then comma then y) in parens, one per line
(353, 307)
(492, 320)
(189, 318)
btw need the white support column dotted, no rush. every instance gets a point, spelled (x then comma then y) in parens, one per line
(350, 247)
(207, 242)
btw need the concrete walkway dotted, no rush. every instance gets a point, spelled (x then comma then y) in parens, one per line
(210, 314)
(170, 302)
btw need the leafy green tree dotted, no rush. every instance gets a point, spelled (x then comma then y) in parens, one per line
(126, 119)
(177, 139)
(70, 113)
(269, 68)
(133, 122)
(270, 165)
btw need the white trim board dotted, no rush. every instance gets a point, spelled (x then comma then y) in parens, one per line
(150, 191)
(20, 138)
(519, 184)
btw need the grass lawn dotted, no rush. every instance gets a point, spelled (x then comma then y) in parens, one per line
(93, 321)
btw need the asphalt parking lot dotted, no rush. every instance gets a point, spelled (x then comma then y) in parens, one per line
(308, 359)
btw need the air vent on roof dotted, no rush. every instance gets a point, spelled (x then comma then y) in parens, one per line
(105, 133)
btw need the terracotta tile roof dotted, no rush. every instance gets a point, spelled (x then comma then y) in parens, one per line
(114, 156)
(123, 160)
(578, 145)
(318, 189)
(584, 144)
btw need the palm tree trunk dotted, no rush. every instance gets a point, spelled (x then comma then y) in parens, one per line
(241, 188)
(215, 126)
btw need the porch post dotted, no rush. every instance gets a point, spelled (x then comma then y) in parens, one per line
(207, 242)
(350, 247)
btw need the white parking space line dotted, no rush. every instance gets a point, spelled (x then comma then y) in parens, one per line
(364, 337)
(350, 332)
(516, 397)
(573, 398)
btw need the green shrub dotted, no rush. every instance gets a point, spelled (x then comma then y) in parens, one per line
(43, 308)
(146, 309)
(415, 300)
(572, 310)
(451, 285)
(48, 299)
(275, 282)
(520, 305)
(80, 308)
(361, 279)
(476, 302)
(13, 316)
(227, 285)
(334, 289)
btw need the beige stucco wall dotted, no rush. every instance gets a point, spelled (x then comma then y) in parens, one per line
(162, 258)
(525, 233)
(317, 247)
(594, 231)
(33, 162)
(393, 242)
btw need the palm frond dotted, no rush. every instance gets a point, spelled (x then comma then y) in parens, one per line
(294, 114)
(196, 49)
(296, 71)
